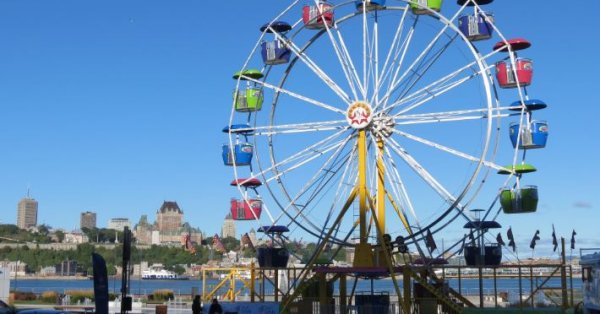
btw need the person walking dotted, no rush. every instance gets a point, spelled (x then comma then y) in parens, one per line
(215, 307)
(196, 306)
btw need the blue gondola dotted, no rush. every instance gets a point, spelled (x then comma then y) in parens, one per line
(243, 129)
(276, 26)
(476, 26)
(242, 154)
(478, 253)
(273, 257)
(534, 136)
(530, 105)
(276, 51)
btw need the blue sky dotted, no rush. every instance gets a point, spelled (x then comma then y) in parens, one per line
(116, 106)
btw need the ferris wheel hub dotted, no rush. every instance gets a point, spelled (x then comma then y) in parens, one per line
(383, 125)
(359, 115)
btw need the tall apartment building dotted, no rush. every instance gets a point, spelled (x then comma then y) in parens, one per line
(27, 210)
(87, 220)
(228, 228)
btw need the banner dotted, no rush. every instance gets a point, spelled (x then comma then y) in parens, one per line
(100, 284)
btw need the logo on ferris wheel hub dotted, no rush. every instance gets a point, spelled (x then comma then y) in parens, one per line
(359, 115)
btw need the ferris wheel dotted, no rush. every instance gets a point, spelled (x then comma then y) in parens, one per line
(358, 122)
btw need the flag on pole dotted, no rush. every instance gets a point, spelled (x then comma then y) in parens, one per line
(573, 239)
(536, 237)
(499, 239)
(511, 239)
(554, 240)
(429, 242)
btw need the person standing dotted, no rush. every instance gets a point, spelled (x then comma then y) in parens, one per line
(215, 307)
(196, 306)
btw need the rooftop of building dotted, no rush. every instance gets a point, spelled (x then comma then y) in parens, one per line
(169, 206)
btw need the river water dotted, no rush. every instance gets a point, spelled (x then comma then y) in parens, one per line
(187, 287)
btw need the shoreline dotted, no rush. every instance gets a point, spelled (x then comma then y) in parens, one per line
(49, 278)
(74, 278)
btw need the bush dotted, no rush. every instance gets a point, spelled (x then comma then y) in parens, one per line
(24, 296)
(49, 297)
(80, 295)
(161, 295)
(112, 296)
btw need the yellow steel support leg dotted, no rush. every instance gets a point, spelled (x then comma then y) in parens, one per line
(252, 282)
(380, 202)
(386, 257)
(322, 292)
(343, 294)
(380, 187)
(407, 290)
(363, 255)
(276, 284)
(362, 185)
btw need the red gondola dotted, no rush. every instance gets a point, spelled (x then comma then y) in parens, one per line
(506, 75)
(317, 16)
(247, 183)
(514, 44)
(246, 209)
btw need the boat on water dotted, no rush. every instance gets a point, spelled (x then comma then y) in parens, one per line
(159, 273)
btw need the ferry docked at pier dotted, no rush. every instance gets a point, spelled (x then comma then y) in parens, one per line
(159, 273)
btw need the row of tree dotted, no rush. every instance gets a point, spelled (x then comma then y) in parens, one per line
(44, 234)
(37, 258)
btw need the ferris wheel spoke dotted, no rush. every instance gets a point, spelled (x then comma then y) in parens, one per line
(397, 49)
(393, 177)
(430, 92)
(326, 172)
(444, 84)
(396, 83)
(329, 170)
(449, 150)
(398, 186)
(421, 71)
(302, 55)
(425, 175)
(344, 59)
(297, 128)
(302, 158)
(295, 95)
(308, 151)
(452, 116)
(365, 33)
(350, 63)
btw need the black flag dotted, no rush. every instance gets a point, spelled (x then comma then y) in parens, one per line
(429, 242)
(573, 239)
(499, 239)
(536, 237)
(100, 284)
(511, 239)
(554, 241)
